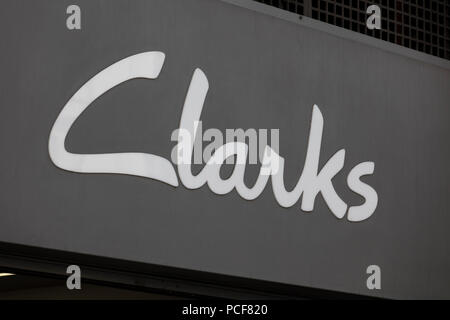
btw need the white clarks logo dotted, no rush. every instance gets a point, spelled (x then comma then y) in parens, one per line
(148, 65)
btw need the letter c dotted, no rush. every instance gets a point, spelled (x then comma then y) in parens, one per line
(146, 65)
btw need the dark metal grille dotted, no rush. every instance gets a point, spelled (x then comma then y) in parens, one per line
(422, 25)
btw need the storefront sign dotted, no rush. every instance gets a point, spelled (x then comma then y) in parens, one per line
(148, 65)
(117, 104)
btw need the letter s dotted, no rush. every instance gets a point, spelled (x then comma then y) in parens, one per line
(364, 211)
(143, 65)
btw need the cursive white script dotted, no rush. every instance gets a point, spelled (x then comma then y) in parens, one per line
(148, 65)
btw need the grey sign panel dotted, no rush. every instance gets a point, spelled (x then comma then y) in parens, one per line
(263, 72)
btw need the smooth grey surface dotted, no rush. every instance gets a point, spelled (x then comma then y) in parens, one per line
(264, 73)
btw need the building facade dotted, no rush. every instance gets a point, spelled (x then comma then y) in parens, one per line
(101, 116)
